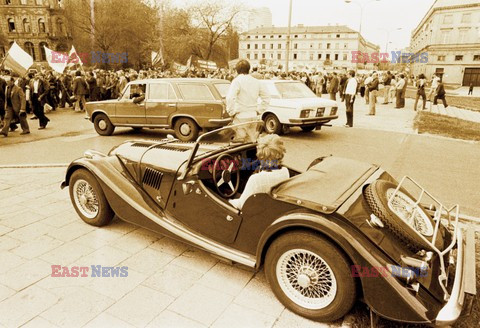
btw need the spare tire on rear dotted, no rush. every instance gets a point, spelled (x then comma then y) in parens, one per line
(397, 216)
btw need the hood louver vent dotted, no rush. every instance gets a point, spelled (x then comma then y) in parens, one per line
(171, 148)
(139, 144)
(152, 178)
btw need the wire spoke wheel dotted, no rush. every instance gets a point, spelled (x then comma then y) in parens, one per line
(86, 198)
(406, 209)
(306, 279)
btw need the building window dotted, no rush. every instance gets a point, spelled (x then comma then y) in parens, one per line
(336, 56)
(459, 58)
(328, 45)
(271, 36)
(271, 56)
(338, 36)
(311, 56)
(256, 36)
(263, 56)
(248, 45)
(264, 36)
(30, 49)
(319, 56)
(248, 36)
(345, 46)
(26, 26)
(294, 46)
(319, 46)
(8, 2)
(462, 35)
(60, 27)
(466, 18)
(263, 46)
(448, 19)
(328, 56)
(279, 36)
(43, 56)
(248, 56)
(294, 56)
(441, 58)
(445, 37)
(271, 45)
(255, 56)
(11, 25)
(279, 56)
(295, 36)
(311, 45)
(256, 46)
(345, 57)
(476, 57)
(41, 25)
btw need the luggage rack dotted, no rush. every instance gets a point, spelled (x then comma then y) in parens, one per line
(441, 212)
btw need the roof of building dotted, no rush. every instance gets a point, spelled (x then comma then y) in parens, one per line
(445, 4)
(302, 29)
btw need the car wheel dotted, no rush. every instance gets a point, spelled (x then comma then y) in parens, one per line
(399, 217)
(103, 126)
(272, 124)
(88, 199)
(308, 128)
(186, 129)
(310, 276)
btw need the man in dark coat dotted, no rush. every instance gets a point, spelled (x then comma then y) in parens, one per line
(3, 85)
(14, 107)
(333, 86)
(39, 89)
(80, 90)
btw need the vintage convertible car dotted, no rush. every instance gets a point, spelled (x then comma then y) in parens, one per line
(340, 231)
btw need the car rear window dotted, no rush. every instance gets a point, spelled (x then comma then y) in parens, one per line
(222, 89)
(195, 91)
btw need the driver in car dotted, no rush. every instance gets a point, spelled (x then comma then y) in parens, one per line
(270, 172)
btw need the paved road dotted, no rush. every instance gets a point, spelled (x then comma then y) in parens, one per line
(448, 168)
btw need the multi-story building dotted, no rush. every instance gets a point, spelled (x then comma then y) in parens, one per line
(33, 24)
(259, 17)
(311, 47)
(450, 34)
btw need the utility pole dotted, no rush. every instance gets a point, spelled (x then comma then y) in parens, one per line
(92, 24)
(288, 37)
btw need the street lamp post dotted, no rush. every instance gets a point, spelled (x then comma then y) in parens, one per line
(388, 36)
(288, 36)
(362, 6)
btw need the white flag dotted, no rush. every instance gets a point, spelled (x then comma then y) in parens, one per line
(56, 60)
(157, 57)
(73, 57)
(17, 59)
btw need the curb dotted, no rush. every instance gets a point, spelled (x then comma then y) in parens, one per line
(33, 166)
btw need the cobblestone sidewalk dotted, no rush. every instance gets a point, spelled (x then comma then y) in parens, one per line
(168, 285)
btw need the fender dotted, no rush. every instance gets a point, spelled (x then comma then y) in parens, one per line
(413, 309)
(171, 119)
(99, 111)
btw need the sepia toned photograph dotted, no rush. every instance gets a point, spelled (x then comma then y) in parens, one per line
(239, 163)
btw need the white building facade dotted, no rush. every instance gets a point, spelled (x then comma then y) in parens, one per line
(311, 47)
(450, 34)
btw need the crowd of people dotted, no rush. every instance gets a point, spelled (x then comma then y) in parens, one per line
(42, 91)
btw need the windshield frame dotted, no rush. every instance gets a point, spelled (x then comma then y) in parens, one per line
(191, 158)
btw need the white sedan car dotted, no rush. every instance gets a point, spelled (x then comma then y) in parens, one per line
(294, 104)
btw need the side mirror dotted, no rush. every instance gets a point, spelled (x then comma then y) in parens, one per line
(187, 187)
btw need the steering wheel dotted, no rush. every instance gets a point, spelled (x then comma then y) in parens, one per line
(224, 169)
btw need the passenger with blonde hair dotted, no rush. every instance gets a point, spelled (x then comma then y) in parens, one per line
(269, 170)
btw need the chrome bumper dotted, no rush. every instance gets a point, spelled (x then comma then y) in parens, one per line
(312, 121)
(221, 121)
(464, 284)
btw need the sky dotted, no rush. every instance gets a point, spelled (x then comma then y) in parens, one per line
(379, 16)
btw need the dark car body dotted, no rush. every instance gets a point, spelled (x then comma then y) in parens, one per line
(166, 186)
(160, 103)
